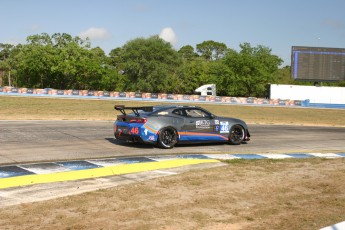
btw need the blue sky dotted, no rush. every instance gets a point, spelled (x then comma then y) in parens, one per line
(277, 24)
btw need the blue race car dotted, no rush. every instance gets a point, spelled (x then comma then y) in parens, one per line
(168, 125)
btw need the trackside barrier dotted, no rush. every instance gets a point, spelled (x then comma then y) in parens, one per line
(148, 96)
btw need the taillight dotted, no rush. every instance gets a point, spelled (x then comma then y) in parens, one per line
(138, 120)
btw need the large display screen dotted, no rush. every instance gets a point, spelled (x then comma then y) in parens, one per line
(317, 64)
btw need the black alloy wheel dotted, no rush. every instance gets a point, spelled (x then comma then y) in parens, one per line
(167, 138)
(236, 135)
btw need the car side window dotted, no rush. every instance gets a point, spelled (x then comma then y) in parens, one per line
(196, 113)
(179, 112)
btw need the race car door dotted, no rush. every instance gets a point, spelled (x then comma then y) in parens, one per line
(198, 125)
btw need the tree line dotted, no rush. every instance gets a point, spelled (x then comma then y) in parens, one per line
(151, 64)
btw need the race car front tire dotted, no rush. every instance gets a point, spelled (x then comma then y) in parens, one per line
(236, 135)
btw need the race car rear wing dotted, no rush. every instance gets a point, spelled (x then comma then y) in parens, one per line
(135, 110)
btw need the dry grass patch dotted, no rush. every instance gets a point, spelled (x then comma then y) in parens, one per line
(246, 194)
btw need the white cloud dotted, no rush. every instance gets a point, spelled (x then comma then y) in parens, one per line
(94, 33)
(168, 35)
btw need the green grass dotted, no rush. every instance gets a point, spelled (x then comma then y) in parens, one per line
(28, 108)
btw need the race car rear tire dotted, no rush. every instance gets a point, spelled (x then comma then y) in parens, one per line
(236, 135)
(167, 138)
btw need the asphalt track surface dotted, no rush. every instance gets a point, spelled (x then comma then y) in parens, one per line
(27, 145)
(46, 141)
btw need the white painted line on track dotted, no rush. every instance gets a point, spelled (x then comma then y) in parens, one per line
(105, 163)
(275, 156)
(222, 156)
(325, 155)
(40, 169)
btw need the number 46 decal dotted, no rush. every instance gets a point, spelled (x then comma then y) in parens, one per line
(135, 130)
(224, 127)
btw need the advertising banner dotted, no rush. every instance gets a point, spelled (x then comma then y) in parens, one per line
(154, 95)
(202, 98)
(14, 90)
(218, 99)
(264, 101)
(282, 102)
(75, 92)
(187, 97)
(297, 103)
(60, 92)
(122, 94)
(250, 100)
(233, 100)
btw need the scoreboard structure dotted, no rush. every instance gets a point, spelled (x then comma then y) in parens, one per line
(317, 64)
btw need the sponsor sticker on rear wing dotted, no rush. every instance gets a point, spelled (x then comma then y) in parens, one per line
(135, 110)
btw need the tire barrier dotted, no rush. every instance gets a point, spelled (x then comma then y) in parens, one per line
(148, 96)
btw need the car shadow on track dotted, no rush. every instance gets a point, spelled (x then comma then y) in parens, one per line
(130, 144)
(148, 146)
